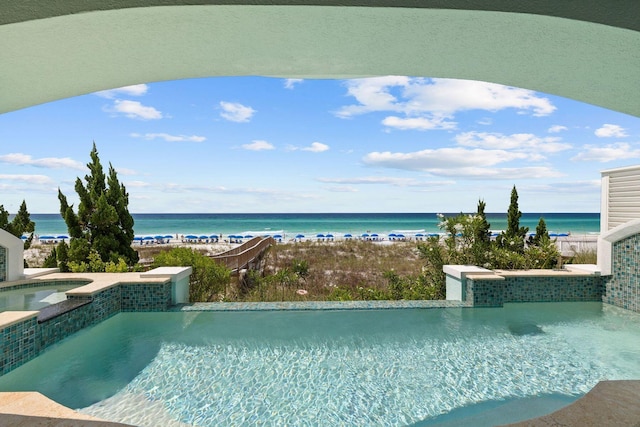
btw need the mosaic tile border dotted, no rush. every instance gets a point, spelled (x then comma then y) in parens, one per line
(623, 286)
(320, 305)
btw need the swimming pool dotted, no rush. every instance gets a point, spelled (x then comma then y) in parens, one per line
(34, 297)
(352, 367)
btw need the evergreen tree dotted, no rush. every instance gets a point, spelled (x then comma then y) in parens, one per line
(20, 225)
(482, 235)
(541, 236)
(103, 223)
(514, 236)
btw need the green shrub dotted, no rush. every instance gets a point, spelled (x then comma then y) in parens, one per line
(208, 279)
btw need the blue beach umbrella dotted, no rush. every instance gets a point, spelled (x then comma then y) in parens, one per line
(137, 238)
(392, 234)
(148, 238)
(400, 236)
(299, 236)
(329, 236)
(47, 237)
(419, 235)
(203, 237)
(278, 236)
(348, 236)
(158, 237)
(23, 237)
(433, 234)
(248, 236)
(320, 235)
(364, 235)
(374, 235)
(63, 237)
(214, 236)
(168, 236)
(190, 236)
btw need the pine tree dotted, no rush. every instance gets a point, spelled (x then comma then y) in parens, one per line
(20, 225)
(542, 235)
(513, 237)
(103, 223)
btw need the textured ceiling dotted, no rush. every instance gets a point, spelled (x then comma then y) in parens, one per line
(56, 49)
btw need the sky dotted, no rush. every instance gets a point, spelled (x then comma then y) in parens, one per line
(257, 144)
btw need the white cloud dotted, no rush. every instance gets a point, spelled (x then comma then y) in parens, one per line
(46, 162)
(29, 179)
(258, 145)
(438, 98)
(134, 90)
(290, 83)
(170, 138)
(385, 180)
(236, 112)
(609, 131)
(125, 171)
(429, 159)
(533, 172)
(137, 184)
(485, 121)
(135, 110)
(557, 128)
(608, 153)
(316, 147)
(524, 142)
(342, 189)
(418, 123)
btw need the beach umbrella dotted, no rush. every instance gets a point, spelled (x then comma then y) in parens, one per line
(374, 235)
(23, 237)
(168, 236)
(248, 236)
(299, 236)
(47, 237)
(329, 236)
(400, 236)
(433, 234)
(63, 237)
(190, 236)
(203, 237)
(348, 236)
(364, 235)
(320, 235)
(137, 238)
(419, 235)
(148, 238)
(214, 236)
(392, 234)
(278, 236)
(158, 237)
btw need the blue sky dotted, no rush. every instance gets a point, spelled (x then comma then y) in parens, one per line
(384, 144)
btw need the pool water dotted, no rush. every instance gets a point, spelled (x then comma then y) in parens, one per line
(351, 367)
(33, 298)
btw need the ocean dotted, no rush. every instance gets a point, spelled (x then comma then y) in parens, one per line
(311, 224)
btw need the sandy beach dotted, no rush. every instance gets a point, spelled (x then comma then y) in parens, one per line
(35, 255)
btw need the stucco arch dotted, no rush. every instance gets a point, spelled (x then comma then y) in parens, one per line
(582, 50)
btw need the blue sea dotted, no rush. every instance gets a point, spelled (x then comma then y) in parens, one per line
(310, 224)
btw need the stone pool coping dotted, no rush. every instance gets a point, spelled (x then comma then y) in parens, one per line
(610, 403)
(34, 409)
(102, 281)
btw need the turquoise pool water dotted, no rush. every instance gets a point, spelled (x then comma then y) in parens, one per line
(353, 367)
(33, 298)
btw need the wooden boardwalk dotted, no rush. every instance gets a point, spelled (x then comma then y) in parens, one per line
(245, 255)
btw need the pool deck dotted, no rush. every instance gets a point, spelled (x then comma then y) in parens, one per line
(609, 403)
(34, 409)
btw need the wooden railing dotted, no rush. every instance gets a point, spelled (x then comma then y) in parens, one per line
(240, 257)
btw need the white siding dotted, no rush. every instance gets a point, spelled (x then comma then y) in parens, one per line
(622, 200)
